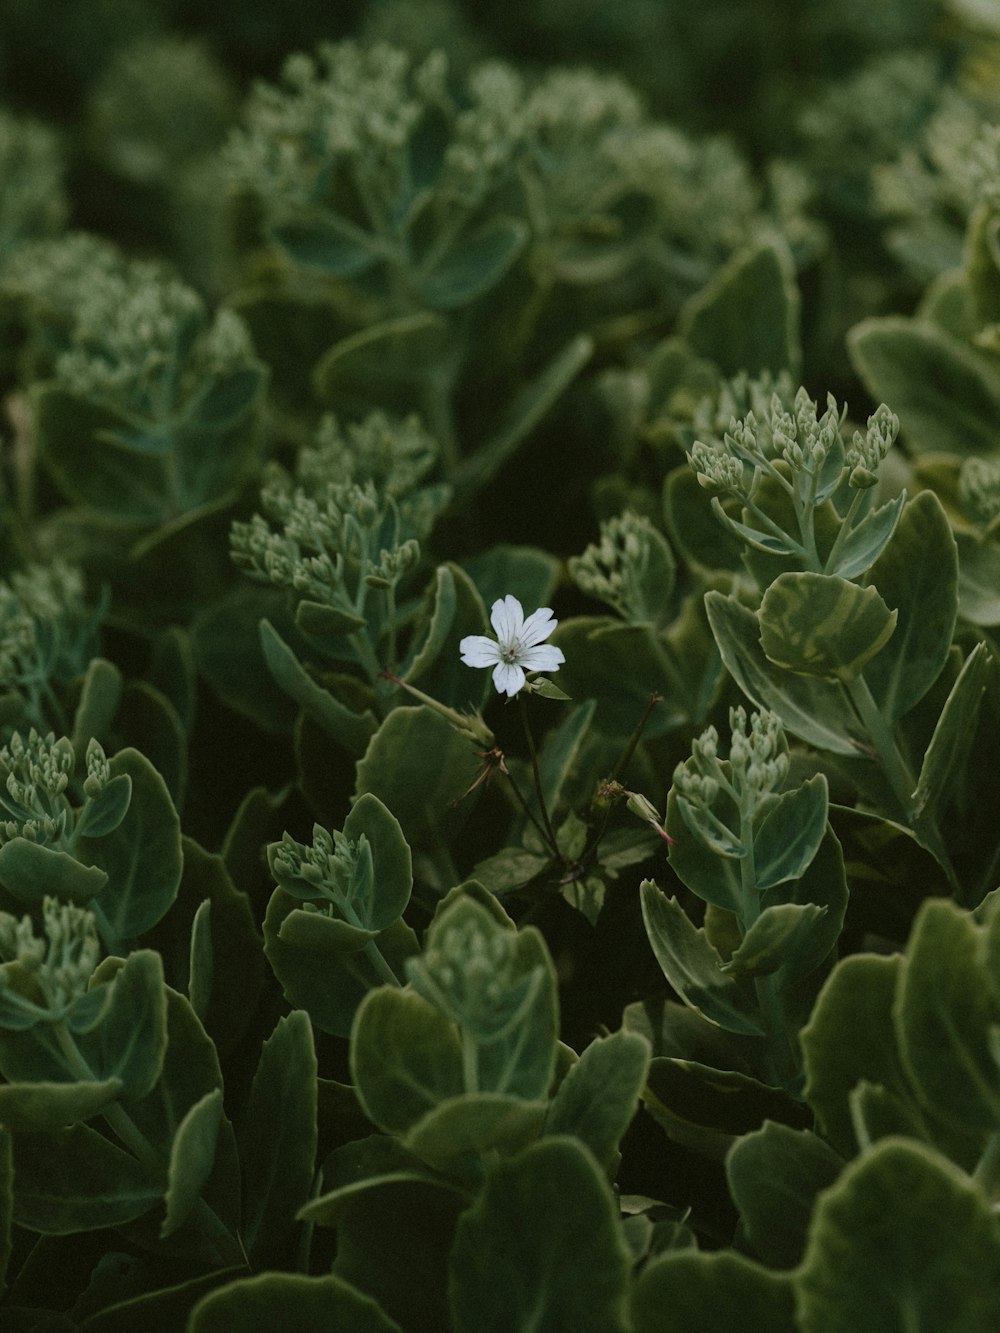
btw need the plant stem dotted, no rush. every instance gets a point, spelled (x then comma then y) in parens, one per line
(536, 773)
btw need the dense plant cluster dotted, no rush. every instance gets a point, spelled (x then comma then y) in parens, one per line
(500, 666)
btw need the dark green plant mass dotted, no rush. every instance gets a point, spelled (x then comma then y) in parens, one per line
(500, 666)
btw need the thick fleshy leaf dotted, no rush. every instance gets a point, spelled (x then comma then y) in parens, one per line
(541, 1245)
(107, 809)
(954, 733)
(774, 1176)
(713, 877)
(917, 577)
(978, 580)
(597, 1099)
(693, 966)
(291, 1302)
(866, 542)
(78, 1180)
(474, 262)
(29, 871)
(393, 872)
(775, 937)
(693, 1292)
(815, 710)
(821, 625)
(405, 1059)
(945, 1012)
(747, 317)
(946, 395)
(327, 978)
(351, 729)
(903, 1238)
(789, 835)
(467, 1128)
(142, 857)
(192, 1155)
(278, 1142)
(32, 1107)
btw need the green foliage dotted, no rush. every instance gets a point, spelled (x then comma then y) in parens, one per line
(338, 985)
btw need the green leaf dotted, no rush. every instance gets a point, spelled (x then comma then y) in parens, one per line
(694, 527)
(560, 754)
(541, 1247)
(351, 729)
(917, 576)
(954, 733)
(747, 317)
(474, 262)
(364, 1166)
(405, 1058)
(226, 639)
(328, 980)
(76, 438)
(529, 573)
(689, 1292)
(192, 1155)
(227, 398)
(529, 406)
(472, 1126)
(389, 891)
(978, 580)
(620, 666)
(904, 1239)
(328, 244)
(324, 621)
(866, 542)
(946, 395)
(292, 1303)
(417, 764)
(30, 871)
(707, 1108)
(279, 1138)
(436, 666)
(77, 1180)
(713, 876)
(382, 363)
(815, 710)
(141, 857)
(945, 1011)
(107, 809)
(693, 966)
(597, 1099)
(851, 1037)
(100, 696)
(774, 1175)
(130, 1040)
(821, 625)
(788, 837)
(774, 939)
(32, 1107)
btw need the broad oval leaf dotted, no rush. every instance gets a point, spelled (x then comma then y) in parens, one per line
(822, 625)
(30, 871)
(788, 836)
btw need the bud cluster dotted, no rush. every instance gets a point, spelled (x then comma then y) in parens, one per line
(613, 569)
(61, 963)
(35, 775)
(979, 489)
(322, 874)
(866, 453)
(757, 764)
(469, 971)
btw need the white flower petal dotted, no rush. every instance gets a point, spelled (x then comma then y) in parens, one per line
(507, 617)
(479, 651)
(508, 678)
(542, 657)
(538, 626)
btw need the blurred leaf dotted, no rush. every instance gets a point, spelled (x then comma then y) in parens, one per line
(542, 1244)
(78, 1180)
(946, 395)
(775, 1175)
(33, 1107)
(473, 263)
(290, 1302)
(747, 317)
(978, 580)
(686, 1291)
(871, 1264)
(473, 1126)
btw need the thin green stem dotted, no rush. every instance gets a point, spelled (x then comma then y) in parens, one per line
(526, 808)
(470, 1062)
(536, 773)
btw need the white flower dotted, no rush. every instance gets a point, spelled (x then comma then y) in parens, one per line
(519, 647)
